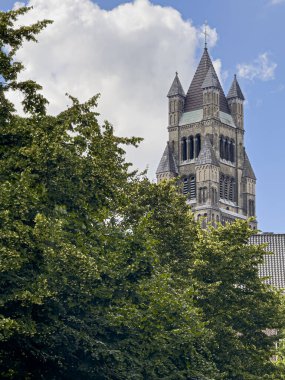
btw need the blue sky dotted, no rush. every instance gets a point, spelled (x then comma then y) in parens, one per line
(247, 31)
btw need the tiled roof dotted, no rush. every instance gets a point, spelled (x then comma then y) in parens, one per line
(235, 91)
(194, 97)
(247, 171)
(274, 264)
(211, 79)
(176, 88)
(167, 163)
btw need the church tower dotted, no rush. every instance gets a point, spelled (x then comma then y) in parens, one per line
(205, 150)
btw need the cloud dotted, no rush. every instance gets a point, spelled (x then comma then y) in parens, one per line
(129, 54)
(275, 2)
(261, 68)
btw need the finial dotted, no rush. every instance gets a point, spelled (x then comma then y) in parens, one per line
(176, 73)
(206, 34)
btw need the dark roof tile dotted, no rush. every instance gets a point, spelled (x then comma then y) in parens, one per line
(211, 79)
(176, 88)
(194, 97)
(235, 91)
(247, 171)
(167, 163)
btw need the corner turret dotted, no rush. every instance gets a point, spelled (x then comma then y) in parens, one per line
(235, 100)
(176, 96)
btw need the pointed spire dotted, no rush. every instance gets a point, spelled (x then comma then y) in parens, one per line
(167, 163)
(247, 171)
(211, 79)
(194, 97)
(235, 91)
(176, 87)
(207, 154)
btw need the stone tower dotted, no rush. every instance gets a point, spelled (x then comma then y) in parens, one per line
(206, 150)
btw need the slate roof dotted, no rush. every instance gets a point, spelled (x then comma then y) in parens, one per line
(167, 162)
(211, 79)
(235, 91)
(274, 264)
(176, 88)
(247, 171)
(194, 97)
(207, 154)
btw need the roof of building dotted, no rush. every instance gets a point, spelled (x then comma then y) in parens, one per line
(235, 91)
(197, 115)
(247, 170)
(176, 87)
(207, 154)
(194, 97)
(211, 79)
(167, 163)
(274, 264)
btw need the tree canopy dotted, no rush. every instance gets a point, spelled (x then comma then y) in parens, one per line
(105, 275)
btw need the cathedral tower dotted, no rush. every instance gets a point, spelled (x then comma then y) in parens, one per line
(206, 150)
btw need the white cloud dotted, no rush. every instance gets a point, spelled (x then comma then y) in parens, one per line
(18, 4)
(129, 54)
(261, 68)
(274, 2)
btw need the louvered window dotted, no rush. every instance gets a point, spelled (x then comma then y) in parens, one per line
(232, 190)
(192, 187)
(221, 186)
(226, 190)
(185, 186)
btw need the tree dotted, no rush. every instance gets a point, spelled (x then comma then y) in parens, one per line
(86, 290)
(103, 274)
(240, 309)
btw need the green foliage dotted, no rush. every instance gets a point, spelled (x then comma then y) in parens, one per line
(238, 307)
(105, 275)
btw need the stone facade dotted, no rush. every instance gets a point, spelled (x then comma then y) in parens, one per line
(206, 150)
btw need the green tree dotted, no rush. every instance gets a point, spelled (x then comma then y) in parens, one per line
(239, 308)
(86, 289)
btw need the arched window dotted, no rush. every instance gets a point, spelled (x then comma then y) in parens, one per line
(204, 196)
(200, 195)
(217, 218)
(222, 147)
(183, 149)
(214, 195)
(198, 145)
(204, 223)
(226, 149)
(191, 147)
(251, 207)
(222, 182)
(185, 186)
(173, 145)
(192, 187)
(232, 151)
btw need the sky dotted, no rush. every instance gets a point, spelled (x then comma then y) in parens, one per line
(129, 52)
